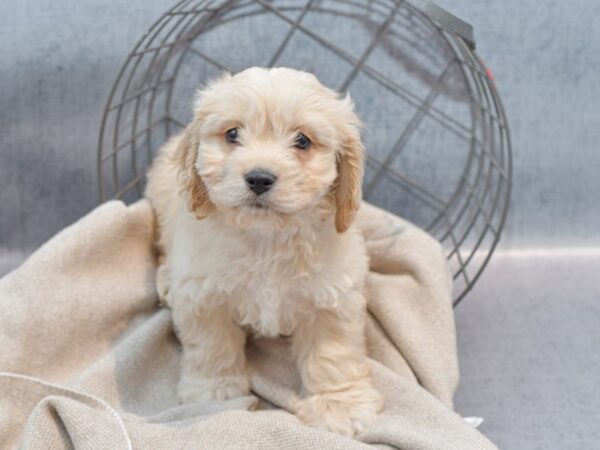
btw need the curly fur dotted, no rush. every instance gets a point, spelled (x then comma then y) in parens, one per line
(287, 262)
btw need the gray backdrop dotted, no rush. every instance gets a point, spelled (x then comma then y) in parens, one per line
(527, 333)
(59, 58)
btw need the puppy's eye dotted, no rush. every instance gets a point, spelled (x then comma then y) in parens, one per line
(231, 136)
(302, 142)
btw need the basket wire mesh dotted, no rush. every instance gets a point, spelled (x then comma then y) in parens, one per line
(438, 143)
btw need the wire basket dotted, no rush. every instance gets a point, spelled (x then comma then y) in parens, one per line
(437, 139)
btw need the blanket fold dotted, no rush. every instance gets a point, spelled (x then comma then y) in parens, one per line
(89, 361)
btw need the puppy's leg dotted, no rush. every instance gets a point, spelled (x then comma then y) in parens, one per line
(331, 356)
(213, 364)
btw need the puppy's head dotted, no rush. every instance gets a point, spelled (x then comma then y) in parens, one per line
(268, 145)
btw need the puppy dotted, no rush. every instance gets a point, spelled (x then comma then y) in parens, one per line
(255, 202)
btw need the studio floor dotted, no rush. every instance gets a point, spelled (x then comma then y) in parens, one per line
(528, 342)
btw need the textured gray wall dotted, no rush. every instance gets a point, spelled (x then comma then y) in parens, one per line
(59, 59)
(58, 62)
(546, 58)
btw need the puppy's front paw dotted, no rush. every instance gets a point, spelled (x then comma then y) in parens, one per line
(192, 389)
(347, 412)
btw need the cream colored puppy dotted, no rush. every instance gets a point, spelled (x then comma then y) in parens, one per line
(255, 202)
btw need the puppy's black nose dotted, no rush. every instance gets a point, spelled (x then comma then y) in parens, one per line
(260, 181)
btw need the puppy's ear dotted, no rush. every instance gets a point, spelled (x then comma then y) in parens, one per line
(190, 181)
(348, 191)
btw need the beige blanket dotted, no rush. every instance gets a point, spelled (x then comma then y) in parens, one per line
(88, 360)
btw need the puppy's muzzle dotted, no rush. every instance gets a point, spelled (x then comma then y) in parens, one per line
(260, 181)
